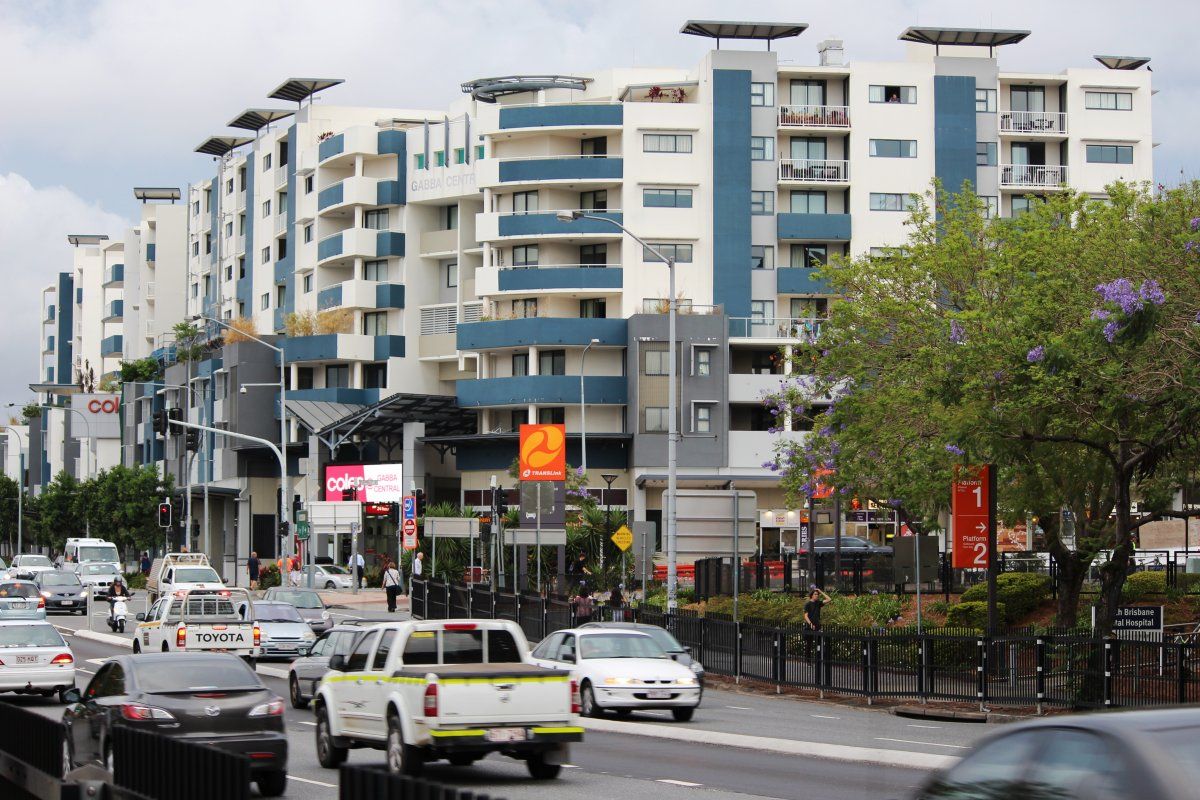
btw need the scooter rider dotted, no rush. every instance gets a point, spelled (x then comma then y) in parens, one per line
(117, 590)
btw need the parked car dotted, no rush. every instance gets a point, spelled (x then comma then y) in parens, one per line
(307, 602)
(34, 659)
(851, 545)
(206, 698)
(62, 591)
(98, 578)
(21, 600)
(28, 566)
(1150, 754)
(284, 633)
(306, 672)
(330, 576)
(665, 640)
(622, 670)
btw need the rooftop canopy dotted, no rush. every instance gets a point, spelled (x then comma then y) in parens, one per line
(77, 239)
(255, 119)
(963, 37)
(1122, 62)
(297, 89)
(488, 89)
(220, 145)
(763, 31)
(145, 193)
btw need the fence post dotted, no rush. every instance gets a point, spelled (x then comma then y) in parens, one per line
(1181, 672)
(545, 617)
(1040, 656)
(872, 670)
(780, 659)
(922, 666)
(1110, 655)
(981, 669)
(737, 651)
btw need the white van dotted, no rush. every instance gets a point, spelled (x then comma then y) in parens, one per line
(91, 551)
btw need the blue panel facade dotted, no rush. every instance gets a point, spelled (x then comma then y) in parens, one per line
(150, 254)
(322, 347)
(331, 147)
(560, 278)
(549, 389)
(814, 227)
(111, 345)
(329, 297)
(329, 247)
(394, 192)
(245, 283)
(540, 331)
(330, 196)
(799, 280)
(954, 131)
(389, 295)
(568, 168)
(360, 396)
(65, 327)
(731, 191)
(289, 299)
(389, 243)
(114, 274)
(561, 116)
(548, 224)
(389, 347)
(214, 221)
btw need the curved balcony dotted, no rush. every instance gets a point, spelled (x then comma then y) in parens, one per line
(537, 224)
(361, 294)
(114, 276)
(540, 332)
(359, 243)
(114, 311)
(341, 347)
(541, 390)
(341, 197)
(112, 346)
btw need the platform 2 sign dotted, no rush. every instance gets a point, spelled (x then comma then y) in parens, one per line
(971, 505)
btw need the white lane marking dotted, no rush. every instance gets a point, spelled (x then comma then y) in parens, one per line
(823, 716)
(292, 777)
(98, 661)
(653, 713)
(304, 722)
(564, 766)
(688, 784)
(740, 708)
(271, 672)
(929, 744)
(932, 727)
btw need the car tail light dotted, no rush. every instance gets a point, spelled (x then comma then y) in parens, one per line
(181, 637)
(272, 708)
(431, 697)
(62, 659)
(257, 635)
(41, 602)
(459, 626)
(576, 701)
(137, 713)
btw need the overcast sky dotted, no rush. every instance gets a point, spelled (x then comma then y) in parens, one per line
(101, 96)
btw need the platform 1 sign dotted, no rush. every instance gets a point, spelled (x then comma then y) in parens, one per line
(971, 505)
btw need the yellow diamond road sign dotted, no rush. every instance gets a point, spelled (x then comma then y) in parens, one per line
(623, 538)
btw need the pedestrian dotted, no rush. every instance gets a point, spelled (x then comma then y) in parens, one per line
(145, 565)
(583, 607)
(253, 566)
(812, 619)
(577, 570)
(391, 585)
(356, 565)
(616, 602)
(418, 565)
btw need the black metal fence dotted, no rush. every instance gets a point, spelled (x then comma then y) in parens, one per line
(374, 783)
(1069, 669)
(158, 766)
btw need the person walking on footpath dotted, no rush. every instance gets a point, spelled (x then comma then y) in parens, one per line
(582, 607)
(812, 618)
(253, 566)
(356, 566)
(391, 585)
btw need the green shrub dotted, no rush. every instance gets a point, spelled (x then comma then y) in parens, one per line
(973, 614)
(1143, 584)
(787, 610)
(939, 607)
(1019, 592)
(135, 580)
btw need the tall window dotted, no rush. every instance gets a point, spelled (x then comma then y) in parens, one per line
(594, 201)
(762, 94)
(894, 148)
(657, 362)
(808, 148)
(667, 142)
(308, 283)
(1110, 154)
(374, 376)
(890, 201)
(337, 376)
(682, 253)
(593, 308)
(418, 161)
(991, 206)
(264, 301)
(375, 270)
(809, 255)
(762, 203)
(593, 146)
(308, 233)
(520, 364)
(449, 217)
(593, 254)
(525, 309)
(805, 92)
(451, 275)
(904, 95)
(308, 184)
(806, 202)
(552, 362)
(702, 361)
(656, 419)
(460, 155)
(266, 254)
(439, 158)
(266, 208)
(375, 323)
(702, 418)
(761, 310)
(1028, 98)
(762, 148)
(552, 416)
(525, 255)
(1021, 205)
(229, 186)
(762, 256)
(667, 198)
(376, 220)
(1108, 101)
(524, 202)
(266, 162)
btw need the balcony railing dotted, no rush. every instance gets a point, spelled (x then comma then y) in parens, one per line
(1047, 122)
(814, 116)
(1036, 175)
(814, 170)
(805, 330)
(443, 318)
(659, 305)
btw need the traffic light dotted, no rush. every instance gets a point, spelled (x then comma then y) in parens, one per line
(192, 439)
(501, 496)
(160, 422)
(283, 530)
(177, 415)
(164, 514)
(394, 513)
(419, 496)
(485, 527)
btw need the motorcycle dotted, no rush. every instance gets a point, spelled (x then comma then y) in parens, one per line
(117, 612)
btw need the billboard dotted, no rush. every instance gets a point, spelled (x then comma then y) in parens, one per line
(376, 483)
(543, 454)
(102, 412)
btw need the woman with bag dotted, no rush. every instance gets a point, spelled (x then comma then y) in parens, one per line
(391, 584)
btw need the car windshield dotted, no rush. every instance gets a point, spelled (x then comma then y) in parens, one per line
(276, 612)
(30, 636)
(98, 553)
(35, 561)
(335, 570)
(299, 599)
(620, 645)
(1184, 745)
(99, 569)
(195, 675)
(18, 590)
(196, 575)
(59, 579)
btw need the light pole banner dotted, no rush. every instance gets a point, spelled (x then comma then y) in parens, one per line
(543, 453)
(102, 412)
(376, 483)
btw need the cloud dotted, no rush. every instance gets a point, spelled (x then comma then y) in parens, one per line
(34, 223)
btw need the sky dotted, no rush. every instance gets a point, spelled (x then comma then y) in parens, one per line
(104, 95)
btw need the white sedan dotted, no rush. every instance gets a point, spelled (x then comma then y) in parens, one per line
(622, 670)
(34, 659)
(328, 576)
(28, 566)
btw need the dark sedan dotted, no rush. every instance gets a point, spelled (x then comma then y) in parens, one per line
(851, 545)
(1109, 756)
(63, 591)
(207, 698)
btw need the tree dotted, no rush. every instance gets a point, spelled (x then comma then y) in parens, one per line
(58, 512)
(9, 491)
(1060, 345)
(189, 342)
(142, 370)
(122, 505)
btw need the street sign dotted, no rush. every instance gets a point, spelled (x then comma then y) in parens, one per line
(408, 534)
(302, 531)
(553, 504)
(410, 507)
(542, 455)
(623, 538)
(301, 515)
(971, 506)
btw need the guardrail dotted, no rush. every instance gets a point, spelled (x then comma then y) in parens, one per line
(157, 766)
(374, 783)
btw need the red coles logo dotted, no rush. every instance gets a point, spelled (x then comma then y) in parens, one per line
(103, 406)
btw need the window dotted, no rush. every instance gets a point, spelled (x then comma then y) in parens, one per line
(229, 186)
(451, 275)
(893, 148)
(1110, 154)
(357, 661)
(702, 418)
(241, 179)
(229, 272)
(762, 256)
(195, 290)
(881, 201)
(552, 416)
(762, 148)
(308, 184)
(229, 229)
(1021, 205)
(419, 161)
(702, 362)
(420, 649)
(1027, 98)
(241, 267)
(594, 201)
(656, 362)
(375, 270)
(337, 376)
(593, 308)
(904, 95)
(592, 254)
(524, 202)
(656, 419)
(281, 247)
(375, 323)
(266, 208)
(809, 308)
(266, 162)
(985, 154)
(525, 309)
(208, 285)
(762, 94)
(307, 283)
(808, 148)
(667, 142)
(478, 152)
(283, 154)
(1108, 101)
(806, 92)
(991, 206)
(594, 146)
(439, 158)
(667, 198)
(266, 254)
(762, 203)
(280, 296)
(552, 362)
(520, 364)
(460, 155)
(304, 377)
(809, 255)
(377, 220)
(804, 202)
(682, 253)
(525, 255)
(448, 216)
(241, 224)
(265, 301)
(195, 207)
(381, 652)
(985, 101)
(207, 243)
(762, 309)
(308, 233)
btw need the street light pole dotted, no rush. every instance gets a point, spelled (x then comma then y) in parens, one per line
(20, 486)
(583, 412)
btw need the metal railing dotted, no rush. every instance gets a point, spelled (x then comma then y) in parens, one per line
(814, 116)
(775, 328)
(557, 266)
(1050, 122)
(558, 156)
(537, 211)
(149, 290)
(1044, 175)
(659, 305)
(814, 170)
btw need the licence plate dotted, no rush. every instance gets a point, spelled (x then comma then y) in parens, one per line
(18, 606)
(504, 735)
(658, 695)
(68, 602)
(27, 659)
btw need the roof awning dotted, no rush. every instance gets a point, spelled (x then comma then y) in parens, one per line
(297, 89)
(316, 415)
(384, 421)
(763, 31)
(1122, 62)
(963, 37)
(255, 119)
(55, 388)
(714, 480)
(220, 145)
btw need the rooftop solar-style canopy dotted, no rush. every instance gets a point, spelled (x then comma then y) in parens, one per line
(962, 37)
(145, 193)
(763, 31)
(488, 89)
(77, 239)
(1122, 62)
(255, 119)
(383, 421)
(298, 89)
(220, 145)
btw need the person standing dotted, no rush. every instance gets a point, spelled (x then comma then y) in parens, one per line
(253, 566)
(418, 565)
(391, 585)
(583, 607)
(356, 566)
(812, 619)
(616, 603)
(145, 564)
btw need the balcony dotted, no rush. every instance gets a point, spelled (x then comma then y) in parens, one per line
(554, 277)
(435, 243)
(148, 288)
(114, 311)
(342, 347)
(1033, 123)
(49, 317)
(112, 346)
(361, 294)
(48, 347)
(360, 243)
(540, 332)
(1032, 176)
(341, 196)
(114, 275)
(545, 169)
(541, 389)
(545, 223)
(567, 115)
(331, 147)
(362, 397)
(775, 328)
(836, 117)
(442, 319)
(813, 171)
(799, 280)
(813, 227)
(752, 388)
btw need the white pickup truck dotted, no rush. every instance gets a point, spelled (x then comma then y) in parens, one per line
(199, 620)
(446, 689)
(179, 572)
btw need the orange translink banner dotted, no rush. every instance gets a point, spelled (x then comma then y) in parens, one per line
(543, 453)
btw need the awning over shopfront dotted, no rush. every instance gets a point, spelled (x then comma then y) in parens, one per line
(384, 421)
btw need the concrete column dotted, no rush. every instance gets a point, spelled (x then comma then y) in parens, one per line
(414, 455)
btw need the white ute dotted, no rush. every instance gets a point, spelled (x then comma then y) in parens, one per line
(455, 690)
(200, 620)
(180, 572)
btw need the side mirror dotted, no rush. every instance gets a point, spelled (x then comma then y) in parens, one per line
(72, 695)
(140, 617)
(337, 662)
(568, 657)
(687, 648)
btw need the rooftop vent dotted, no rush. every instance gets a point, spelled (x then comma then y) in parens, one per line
(832, 53)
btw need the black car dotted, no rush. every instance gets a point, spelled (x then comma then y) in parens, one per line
(63, 591)
(851, 545)
(206, 698)
(1109, 756)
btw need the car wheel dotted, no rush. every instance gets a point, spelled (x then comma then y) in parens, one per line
(272, 784)
(62, 695)
(401, 759)
(587, 701)
(121, 626)
(540, 769)
(298, 700)
(683, 714)
(330, 585)
(329, 755)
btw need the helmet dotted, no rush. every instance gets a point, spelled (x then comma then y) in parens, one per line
(118, 579)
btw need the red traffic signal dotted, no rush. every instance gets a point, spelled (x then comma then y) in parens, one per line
(164, 514)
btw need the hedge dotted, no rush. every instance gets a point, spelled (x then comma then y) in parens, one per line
(1019, 592)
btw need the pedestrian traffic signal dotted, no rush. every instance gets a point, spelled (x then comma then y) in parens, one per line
(164, 514)
(501, 501)
(160, 422)
(419, 496)
(349, 494)
(192, 439)
(394, 513)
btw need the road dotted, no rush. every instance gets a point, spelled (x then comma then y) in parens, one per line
(630, 759)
